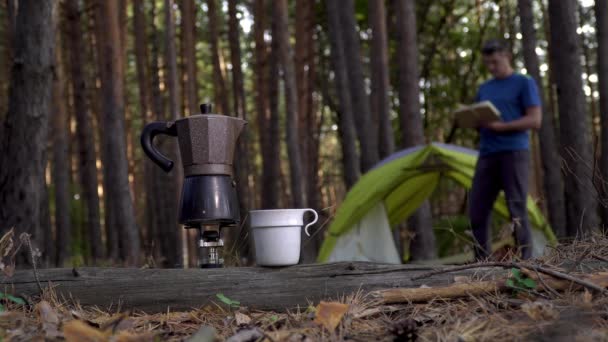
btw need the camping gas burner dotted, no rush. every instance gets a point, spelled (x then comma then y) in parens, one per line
(210, 244)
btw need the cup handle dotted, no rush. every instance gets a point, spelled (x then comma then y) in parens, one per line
(313, 221)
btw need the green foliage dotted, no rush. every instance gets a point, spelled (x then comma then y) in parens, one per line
(231, 303)
(520, 282)
(10, 298)
(450, 234)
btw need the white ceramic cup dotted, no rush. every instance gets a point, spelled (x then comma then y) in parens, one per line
(277, 235)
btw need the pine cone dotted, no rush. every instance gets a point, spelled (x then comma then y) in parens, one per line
(405, 331)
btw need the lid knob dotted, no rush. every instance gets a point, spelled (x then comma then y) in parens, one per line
(205, 108)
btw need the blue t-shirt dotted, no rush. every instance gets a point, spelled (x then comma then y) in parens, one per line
(511, 96)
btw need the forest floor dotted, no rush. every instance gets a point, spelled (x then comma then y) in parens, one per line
(542, 310)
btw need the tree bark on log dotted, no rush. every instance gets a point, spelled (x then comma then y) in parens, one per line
(156, 290)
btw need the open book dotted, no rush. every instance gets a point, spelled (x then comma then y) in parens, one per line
(471, 116)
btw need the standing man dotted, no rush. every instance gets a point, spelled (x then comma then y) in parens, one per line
(504, 157)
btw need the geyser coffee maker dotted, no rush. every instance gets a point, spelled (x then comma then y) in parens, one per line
(209, 200)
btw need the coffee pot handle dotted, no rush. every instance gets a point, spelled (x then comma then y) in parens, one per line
(147, 136)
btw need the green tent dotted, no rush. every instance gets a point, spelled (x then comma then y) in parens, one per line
(401, 183)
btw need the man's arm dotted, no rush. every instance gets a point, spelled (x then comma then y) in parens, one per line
(531, 120)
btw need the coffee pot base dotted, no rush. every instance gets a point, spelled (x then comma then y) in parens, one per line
(208, 200)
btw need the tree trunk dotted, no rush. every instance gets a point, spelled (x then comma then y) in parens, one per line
(111, 232)
(8, 57)
(422, 246)
(219, 86)
(172, 83)
(298, 194)
(581, 197)
(552, 180)
(174, 112)
(274, 132)
(305, 51)
(305, 64)
(49, 249)
(160, 241)
(164, 191)
(132, 167)
(346, 117)
(601, 19)
(11, 25)
(24, 136)
(588, 70)
(379, 78)
(241, 162)
(238, 87)
(267, 108)
(366, 132)
(142, 63)
(123, 25)
(116, 183)
(61, 160)
(189, 34)
(551, 87)
(87, 158)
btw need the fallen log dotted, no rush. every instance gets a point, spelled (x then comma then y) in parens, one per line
(157, 290)
(477, 288)
(425, 294)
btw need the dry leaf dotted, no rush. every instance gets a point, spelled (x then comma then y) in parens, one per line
(6, 242)
(242, 319)
(329, 314)
(587, 299)
(128, 337)
(78, 331)
(540, 310)
(48, 319)
(46, 313)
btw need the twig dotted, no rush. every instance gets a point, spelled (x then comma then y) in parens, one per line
(26, 238)
(519, 266)
(568, 277)
(547, 287)
(601, 258)
(461, 268)
(579, 260)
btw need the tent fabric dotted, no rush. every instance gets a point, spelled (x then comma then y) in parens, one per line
(372, 245)
(403, 181)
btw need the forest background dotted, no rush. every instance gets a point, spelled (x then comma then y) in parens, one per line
(329, 88)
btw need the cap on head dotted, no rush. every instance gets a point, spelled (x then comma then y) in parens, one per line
(493, 45)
